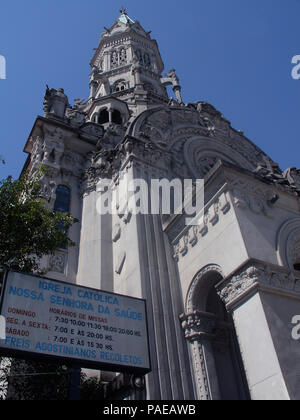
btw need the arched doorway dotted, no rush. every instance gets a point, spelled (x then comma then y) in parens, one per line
(209, 328)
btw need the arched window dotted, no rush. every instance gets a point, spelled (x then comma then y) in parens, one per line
(210, 330)
(63, 199)
(117, 117)
(62, 202)
(103, 117)
(119, 86)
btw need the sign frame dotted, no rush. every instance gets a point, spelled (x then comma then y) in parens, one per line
(70, 361)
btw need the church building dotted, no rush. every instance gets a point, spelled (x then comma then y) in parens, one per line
(221, 295)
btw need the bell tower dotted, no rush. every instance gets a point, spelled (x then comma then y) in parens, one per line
(126, 68)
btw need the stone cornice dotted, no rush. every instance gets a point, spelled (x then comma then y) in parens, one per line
(184, 238)
(254, 276)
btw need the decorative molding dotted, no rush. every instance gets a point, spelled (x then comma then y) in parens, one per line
(200, 372)
(214, 211)
(199, 282)
(254, 276)
(110, 163)
(199, 328)
(288, 243)
(199, 325)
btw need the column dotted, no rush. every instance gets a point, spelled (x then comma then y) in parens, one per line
(202, 330)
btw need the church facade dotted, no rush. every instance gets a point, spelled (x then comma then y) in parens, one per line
(221, 295)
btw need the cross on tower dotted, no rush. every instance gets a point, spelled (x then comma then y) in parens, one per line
(123, 11)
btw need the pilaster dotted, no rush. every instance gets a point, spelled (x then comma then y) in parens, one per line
(263, 299)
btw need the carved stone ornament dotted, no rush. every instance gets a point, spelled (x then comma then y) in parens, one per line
(48, 188)
(55, 102)
(109, 163)
(92, 129)
(200, 329)
(57, 262)
(214, 137)
(293, 177)
(289, 179)
(255, 276)
(75, 116)
(199, 325)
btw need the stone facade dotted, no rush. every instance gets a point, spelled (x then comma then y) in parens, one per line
(220, 295)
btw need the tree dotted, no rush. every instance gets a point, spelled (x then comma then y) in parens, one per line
(34, 380)
(28, 229)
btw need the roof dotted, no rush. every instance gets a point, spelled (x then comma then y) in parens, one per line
(124, 18)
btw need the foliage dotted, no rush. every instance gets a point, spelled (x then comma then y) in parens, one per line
(91, 388)
(28, 229)
(31, 380)
(5, 363)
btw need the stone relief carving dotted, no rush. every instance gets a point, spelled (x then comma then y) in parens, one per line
(202, 153)
(240, 284)
(253, 276)
(57, 262)
(60, 163)
(48, 188)
(201, 119)
(288, 180)
(76, 114)
(109, 163)
(55, 102)
(293, 177)
(199, 326)
(112, 137)
(160, 125)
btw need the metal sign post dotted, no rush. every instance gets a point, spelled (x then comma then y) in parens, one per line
(74, 392)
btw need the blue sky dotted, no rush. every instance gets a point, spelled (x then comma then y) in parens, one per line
(235, 54)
